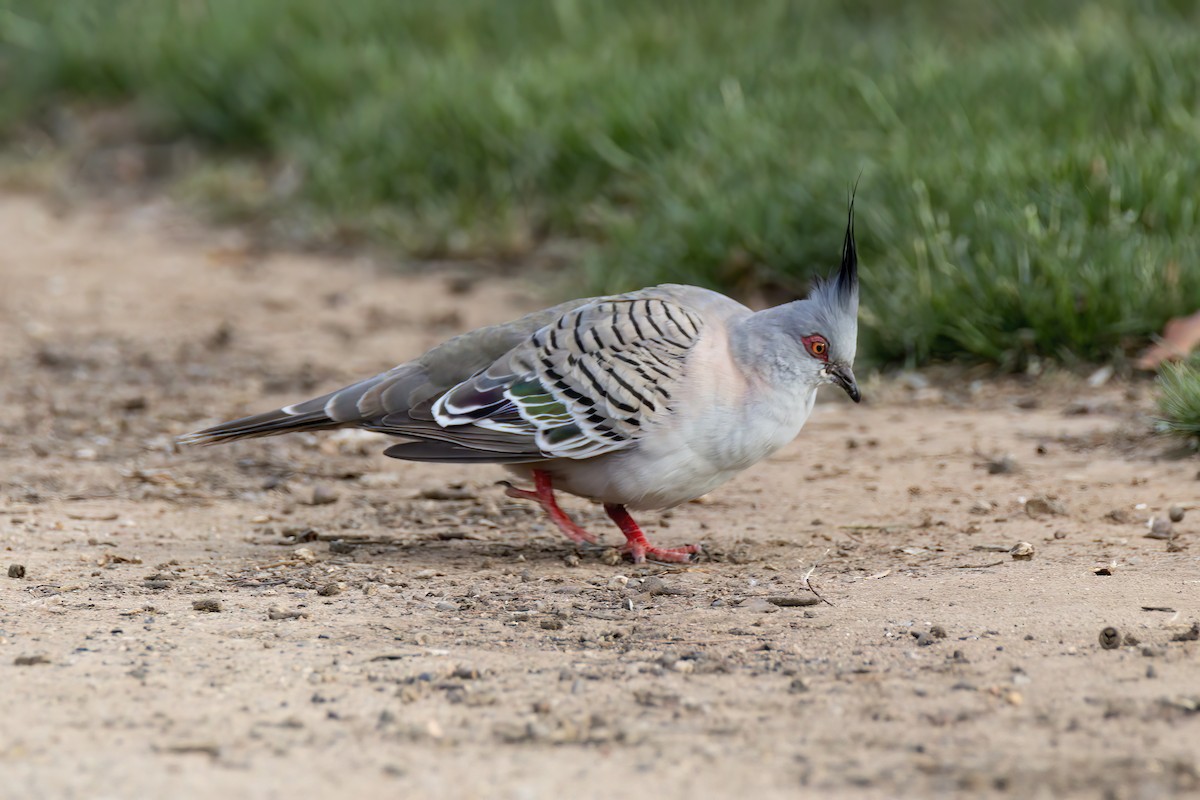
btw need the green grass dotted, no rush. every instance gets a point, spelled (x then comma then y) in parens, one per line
(1028, 169)
(1179, 399)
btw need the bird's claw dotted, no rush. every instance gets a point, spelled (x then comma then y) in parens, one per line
(640, 552)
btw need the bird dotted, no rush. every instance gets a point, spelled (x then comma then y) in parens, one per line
(641, 400)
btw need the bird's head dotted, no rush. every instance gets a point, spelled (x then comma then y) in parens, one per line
(826, 322)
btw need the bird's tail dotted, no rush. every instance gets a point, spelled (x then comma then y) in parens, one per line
(307, 416)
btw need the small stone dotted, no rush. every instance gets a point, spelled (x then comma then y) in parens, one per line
(571, 560)
(1190, 635)
(1021, 551)
(798, 686)
(445, 605)
(322, 495)
(551, 624)
(1044, 506)
(1175, 513)
(937, 632)
(655, 586)
(924, 639)
(794, 601)
(30, 661)
(758, 604)
(1003, 465)
(329, 590)
(618, 582)
(16, 571)
(1110, 638)
(611, 557)
(1160, 528)
(278, 612)
(209, 605)
(305, 554)
(1121, 516)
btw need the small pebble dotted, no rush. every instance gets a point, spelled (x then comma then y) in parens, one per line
(571, 560)
(798, 686)
(1110, 638)
(551, 624)
(1002, 465)
(446, 605)
(30, 661)
(1190, 635)
(1021, 551)
(278, 612)
(1175, 513)
(210, 605)
(329, 590)
(322, 495)
(794, 601)
(618, 582)
(1160, 528)
(654, 585)
(16, 570)
(937, 632)
(1044, 506)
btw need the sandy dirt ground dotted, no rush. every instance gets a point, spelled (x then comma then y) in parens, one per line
(302, 617)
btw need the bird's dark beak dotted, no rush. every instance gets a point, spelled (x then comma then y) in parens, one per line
(843, 376)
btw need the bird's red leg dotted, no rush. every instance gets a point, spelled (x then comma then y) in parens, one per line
(636, 545)
(543, 495)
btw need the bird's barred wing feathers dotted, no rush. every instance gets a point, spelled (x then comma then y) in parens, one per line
(589, 383)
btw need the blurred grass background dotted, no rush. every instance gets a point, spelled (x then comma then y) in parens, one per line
(1029, 169)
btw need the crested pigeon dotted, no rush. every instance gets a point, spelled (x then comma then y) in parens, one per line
(642, 400)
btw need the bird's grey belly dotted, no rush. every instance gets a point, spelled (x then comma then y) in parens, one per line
(674, 467)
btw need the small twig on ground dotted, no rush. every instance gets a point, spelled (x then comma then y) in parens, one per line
(806, 580)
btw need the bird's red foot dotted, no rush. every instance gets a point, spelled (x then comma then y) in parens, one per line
(543, 495)
(638, 548)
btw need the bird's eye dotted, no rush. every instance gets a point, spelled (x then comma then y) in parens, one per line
(817, 347)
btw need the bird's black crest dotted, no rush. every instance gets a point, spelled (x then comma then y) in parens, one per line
(847, 277)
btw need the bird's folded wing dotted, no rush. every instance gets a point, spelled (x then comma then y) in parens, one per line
(591, 382)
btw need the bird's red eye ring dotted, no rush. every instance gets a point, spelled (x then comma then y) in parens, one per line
(816, 346)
